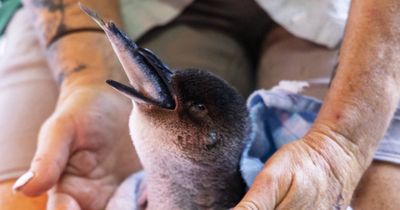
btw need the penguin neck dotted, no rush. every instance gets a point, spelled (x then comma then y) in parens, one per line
(177, 185)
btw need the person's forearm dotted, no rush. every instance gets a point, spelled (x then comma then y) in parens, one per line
(365, 92)
(77, 50)
(54, 19)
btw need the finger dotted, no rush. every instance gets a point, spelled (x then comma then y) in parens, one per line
(267, 189)
(50, 158)
(61, 201)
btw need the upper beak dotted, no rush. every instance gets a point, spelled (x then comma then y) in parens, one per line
(149, 77)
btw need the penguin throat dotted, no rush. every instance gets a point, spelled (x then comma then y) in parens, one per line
(194, 188)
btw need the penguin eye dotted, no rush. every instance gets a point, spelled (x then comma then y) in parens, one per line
(198, 109)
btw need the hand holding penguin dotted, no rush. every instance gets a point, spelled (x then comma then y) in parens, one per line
(311, 173)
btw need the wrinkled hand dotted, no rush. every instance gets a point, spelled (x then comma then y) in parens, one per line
(312, 173)
(84, 150)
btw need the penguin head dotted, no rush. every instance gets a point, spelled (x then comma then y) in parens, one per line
(212, 115)
(190, 113)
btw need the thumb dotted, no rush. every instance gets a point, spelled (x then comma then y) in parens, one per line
(50, 159)
(264, 194)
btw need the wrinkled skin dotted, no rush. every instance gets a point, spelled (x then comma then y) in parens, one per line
(303, 175)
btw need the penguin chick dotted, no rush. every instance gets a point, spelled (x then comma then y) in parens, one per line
(187, 126)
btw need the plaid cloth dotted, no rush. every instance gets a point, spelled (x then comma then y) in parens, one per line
(279, 117)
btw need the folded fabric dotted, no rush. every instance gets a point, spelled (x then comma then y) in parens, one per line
(318, 21)
(277, 117)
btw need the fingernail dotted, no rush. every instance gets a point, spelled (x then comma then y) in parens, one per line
(23, 180)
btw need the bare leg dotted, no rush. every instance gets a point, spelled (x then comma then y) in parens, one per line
(379, 188)
(286, 57)
(28, 95)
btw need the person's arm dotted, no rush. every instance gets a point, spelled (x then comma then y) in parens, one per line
(78, 51)
(81, 142)
(322, 170)
(365, 91)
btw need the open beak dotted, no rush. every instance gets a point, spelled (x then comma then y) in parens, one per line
(149, 77)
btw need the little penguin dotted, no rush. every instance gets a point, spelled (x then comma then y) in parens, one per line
(188, 126)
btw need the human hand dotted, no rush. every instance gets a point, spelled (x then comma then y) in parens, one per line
(312, 173)
(84, 150)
